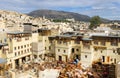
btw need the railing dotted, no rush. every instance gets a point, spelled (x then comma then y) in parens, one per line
(62, 43)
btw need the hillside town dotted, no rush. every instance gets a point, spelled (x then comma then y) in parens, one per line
(40, 48)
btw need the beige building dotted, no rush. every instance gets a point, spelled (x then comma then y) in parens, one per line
(66, 47)
(47, 44)
(106, 48)
(41, 47)
(19, 44)
(86, 49)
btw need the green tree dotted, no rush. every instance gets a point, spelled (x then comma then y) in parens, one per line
(94, 22)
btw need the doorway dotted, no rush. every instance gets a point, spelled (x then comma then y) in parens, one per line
(103, 58)
(60, 58)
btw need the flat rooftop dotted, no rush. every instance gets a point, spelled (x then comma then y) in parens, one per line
(15, 33)
(109, 36)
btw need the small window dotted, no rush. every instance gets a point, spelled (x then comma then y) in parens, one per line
(28, 45)
(111, 59)
(113, 51)
(58, 50)
(18, 53)
(15, 54)
(95, 49)
(64, 51)
(72, 50)
(25, 46)
(85, 56)
(77, 49)
(14, 48)
(45, 48)
(28, 50)
(18, 47)
(25, 51)
(21, 46)
(22, 52)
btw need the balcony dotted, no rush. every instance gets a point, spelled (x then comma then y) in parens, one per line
(100, 44)
(62, 43)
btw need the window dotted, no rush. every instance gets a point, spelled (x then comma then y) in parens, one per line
(85, 56)
(58, 50)
(111, 59)
(25, 51)
(15, 54)
(72, 50)
(28, 50)
(118, 51)
(21, 46)
(64, 51)
(113, 51)
(95, 49)
(28, 45)
(115, 60)
(45, 48)
(25, 46)
(18, 53)
(103, 58)
(14, 48)
(18, 47)
(77, 49)
(22, 52)
(114, 42)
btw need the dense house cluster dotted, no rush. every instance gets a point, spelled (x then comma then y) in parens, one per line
(50, 45)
